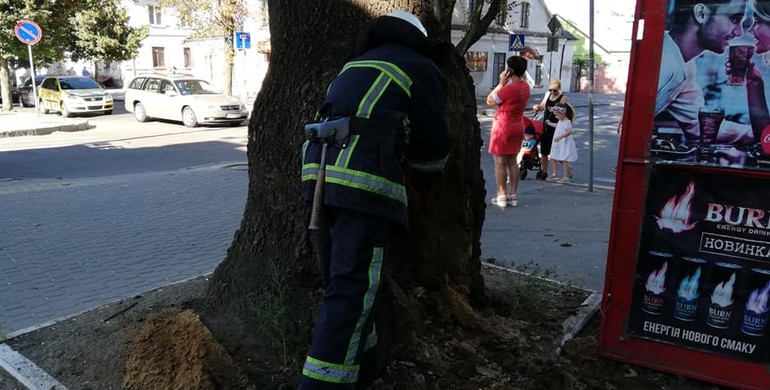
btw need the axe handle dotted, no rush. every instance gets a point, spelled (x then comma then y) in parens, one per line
(318, 194)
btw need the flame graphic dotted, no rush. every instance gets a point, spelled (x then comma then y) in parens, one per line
(758, 300)
(723, 293)
(688, 288)
(675, 215)
(656, 282)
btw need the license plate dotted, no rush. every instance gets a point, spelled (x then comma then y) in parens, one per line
(233, 116)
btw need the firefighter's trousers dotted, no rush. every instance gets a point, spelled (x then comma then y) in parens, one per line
(343, 351)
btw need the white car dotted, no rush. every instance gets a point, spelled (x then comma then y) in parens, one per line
(181, 98)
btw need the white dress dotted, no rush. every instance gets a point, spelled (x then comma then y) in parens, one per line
(564, 149)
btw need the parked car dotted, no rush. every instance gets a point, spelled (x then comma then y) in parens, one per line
(183, 98)
(14, 94)
(26, 95)
(73, 94)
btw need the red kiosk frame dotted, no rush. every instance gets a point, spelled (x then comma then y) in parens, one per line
(633, 179)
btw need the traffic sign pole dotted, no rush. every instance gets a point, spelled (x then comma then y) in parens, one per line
(30, 33)
(34, 85)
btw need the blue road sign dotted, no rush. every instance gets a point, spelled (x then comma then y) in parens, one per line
(28, 32)
(242, 40)
(516, 42)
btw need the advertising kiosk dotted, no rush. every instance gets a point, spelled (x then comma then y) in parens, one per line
(687, 289)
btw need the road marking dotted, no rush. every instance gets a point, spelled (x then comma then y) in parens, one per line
(26, 372)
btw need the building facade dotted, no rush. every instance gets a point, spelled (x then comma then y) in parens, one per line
(486, 58)
(170, 47)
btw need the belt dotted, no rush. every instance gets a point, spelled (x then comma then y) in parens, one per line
(338, 131)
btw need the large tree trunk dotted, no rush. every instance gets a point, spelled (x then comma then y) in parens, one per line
(266, 292)
(5, 85)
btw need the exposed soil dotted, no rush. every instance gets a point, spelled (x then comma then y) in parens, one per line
(511, 347)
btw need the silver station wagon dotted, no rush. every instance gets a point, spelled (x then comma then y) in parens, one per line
(182, 98)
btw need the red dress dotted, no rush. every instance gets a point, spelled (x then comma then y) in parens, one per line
(508, 125)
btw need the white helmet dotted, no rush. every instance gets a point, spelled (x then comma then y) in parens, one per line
(411, 19)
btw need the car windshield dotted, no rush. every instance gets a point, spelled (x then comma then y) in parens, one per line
(78, 83)
(38, 81)
(194, 87)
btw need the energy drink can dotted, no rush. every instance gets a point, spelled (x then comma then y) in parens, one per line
(688, 288)
(756, 309)
(656, 266)
(724, 280)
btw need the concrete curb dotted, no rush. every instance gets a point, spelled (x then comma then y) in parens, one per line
(46, 129)
(26, 372)
(574, 323)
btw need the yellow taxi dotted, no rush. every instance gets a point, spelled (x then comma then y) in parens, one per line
(73, 94)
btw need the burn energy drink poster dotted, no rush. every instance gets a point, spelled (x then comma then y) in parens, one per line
(702, 277)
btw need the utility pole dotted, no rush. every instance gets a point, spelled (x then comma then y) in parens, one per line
(591, 96)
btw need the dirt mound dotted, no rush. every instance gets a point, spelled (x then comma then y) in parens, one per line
(174, 350)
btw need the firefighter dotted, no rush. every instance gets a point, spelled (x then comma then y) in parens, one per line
(383, 114)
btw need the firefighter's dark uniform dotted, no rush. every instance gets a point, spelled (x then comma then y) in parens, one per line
(393, 93)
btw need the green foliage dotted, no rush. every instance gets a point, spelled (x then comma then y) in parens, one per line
(283, 330)
(104, 33)
(91, 29)
(210, 19)
(580, 54)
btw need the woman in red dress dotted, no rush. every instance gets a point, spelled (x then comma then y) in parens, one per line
(510, 96)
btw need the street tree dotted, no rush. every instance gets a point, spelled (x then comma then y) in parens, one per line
(103, 33)
(93, 29)
(479, 19)
(212, 19)
(264, 295)
(53, 18)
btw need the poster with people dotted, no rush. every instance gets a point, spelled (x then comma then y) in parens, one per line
(711, 106)
(476, 61)
(702, 276)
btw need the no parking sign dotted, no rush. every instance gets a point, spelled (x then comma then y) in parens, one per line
(28, 32)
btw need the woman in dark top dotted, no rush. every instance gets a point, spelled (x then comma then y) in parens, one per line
(550, 99)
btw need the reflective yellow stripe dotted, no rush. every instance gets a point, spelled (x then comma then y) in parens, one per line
(343, 159)
(372, 96)
(357, 179)
(375, 268)
(330, 372)
(392, 71)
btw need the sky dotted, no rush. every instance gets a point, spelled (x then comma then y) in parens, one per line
(612, 19)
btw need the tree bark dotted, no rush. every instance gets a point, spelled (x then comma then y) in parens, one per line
(265, 293)
(5, 85)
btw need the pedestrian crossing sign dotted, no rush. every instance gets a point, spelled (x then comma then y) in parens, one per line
(516, 42)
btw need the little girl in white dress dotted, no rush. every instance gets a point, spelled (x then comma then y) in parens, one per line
(563, 149)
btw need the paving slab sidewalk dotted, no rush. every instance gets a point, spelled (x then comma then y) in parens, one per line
(18, 123)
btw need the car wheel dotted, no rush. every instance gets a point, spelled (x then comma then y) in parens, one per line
(139, 113)
(107, 112)
(25, 104)
(188, 117)
(64, 112)
(41, 106)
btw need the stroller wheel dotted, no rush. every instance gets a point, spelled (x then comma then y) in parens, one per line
(523, 174)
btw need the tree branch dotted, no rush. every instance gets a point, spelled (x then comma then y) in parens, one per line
(478, 24)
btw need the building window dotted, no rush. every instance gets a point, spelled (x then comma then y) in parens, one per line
(158, 57)
(539, 72)
(156, 15)
(502, 15)
(499, 66)
(187, 58)
(524, 15)
(471, 6)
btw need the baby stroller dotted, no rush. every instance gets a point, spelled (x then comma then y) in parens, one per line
(529, 156)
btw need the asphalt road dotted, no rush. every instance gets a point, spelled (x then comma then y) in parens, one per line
(117, 145)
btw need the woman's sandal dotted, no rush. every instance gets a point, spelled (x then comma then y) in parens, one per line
(500, 201)
(513, 200)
